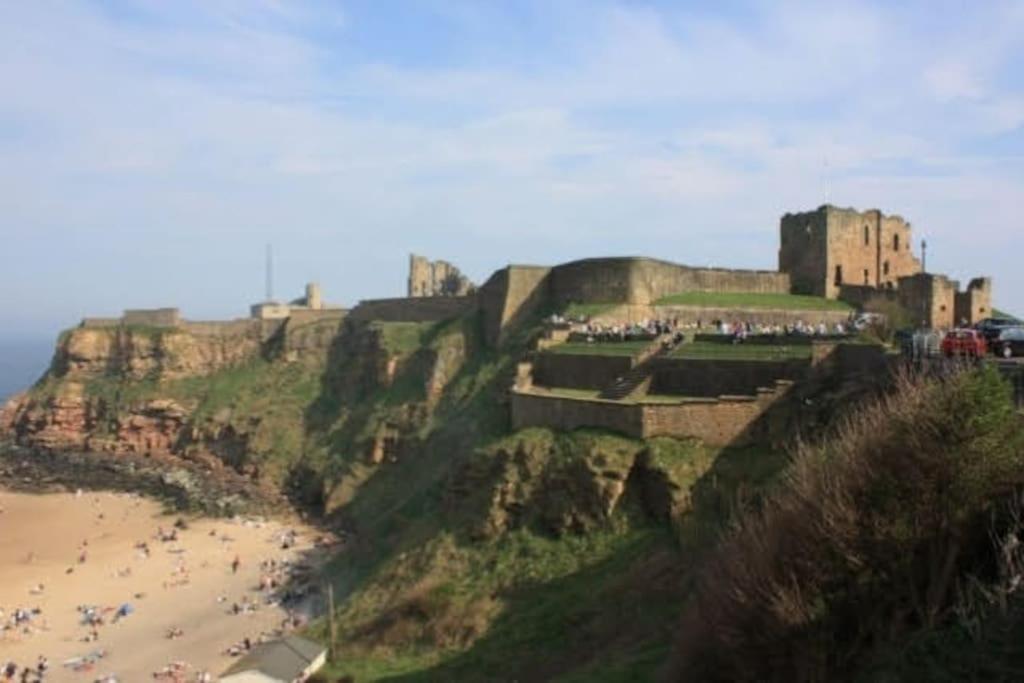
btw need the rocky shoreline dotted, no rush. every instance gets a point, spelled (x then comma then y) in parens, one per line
(182, 485)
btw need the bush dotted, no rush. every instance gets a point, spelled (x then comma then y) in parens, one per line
(893, 317)
(865, 539)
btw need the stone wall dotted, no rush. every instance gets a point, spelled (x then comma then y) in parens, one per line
(715, 421)
(579, 371)
(100, 323)
(713, 378)
(221, 328)
(538, 410)
(831, 247)
(418, 309)
(436, 278)
(974, 303)
(803, 245)
(511, 296)
(301, 317)
(646, 280)
(152, 317)
(930, 299)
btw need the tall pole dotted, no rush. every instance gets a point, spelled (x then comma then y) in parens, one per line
(330, 618)
(270, 274)
(924, 256)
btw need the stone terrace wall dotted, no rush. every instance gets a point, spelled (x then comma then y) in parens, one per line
(713, 378)
(413, 310)
(566, 414)
(579, 371)
(644, 281)
(717, 422)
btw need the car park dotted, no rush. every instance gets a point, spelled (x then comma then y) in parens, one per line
(964, 342)
(1010, 343)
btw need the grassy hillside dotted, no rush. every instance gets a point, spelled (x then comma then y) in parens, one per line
(889, 537)
(542, 582)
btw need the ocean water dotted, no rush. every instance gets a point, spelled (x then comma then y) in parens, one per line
(22, 362)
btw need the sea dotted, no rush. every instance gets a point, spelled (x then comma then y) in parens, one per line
(22, 362)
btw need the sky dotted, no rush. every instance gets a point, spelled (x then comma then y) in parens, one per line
(149, 150)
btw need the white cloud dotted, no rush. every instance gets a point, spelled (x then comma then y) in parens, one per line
(953, 80)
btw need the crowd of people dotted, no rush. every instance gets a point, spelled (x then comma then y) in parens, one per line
(27, 674)
(592, 331)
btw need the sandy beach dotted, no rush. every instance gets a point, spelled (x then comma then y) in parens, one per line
(65, 550)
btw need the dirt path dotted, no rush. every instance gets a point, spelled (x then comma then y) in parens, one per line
(186, 584)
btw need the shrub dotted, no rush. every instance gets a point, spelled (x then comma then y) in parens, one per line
(893, 317)
(865, 539)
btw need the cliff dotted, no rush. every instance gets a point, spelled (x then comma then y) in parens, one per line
(474, 552)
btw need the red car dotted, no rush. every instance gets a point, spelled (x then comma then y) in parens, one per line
(964, 343)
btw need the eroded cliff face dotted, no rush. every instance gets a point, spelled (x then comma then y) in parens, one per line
(566, 485)
(104, 389)
(257, 406)
(149, 354)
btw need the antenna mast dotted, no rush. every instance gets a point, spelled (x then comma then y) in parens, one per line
(270, 273)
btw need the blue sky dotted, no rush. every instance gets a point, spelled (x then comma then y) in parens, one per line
(150, 149)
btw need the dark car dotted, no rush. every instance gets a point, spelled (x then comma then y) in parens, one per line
(1010, 342)
(991, 327)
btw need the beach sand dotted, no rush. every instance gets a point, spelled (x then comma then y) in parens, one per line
(42, 536)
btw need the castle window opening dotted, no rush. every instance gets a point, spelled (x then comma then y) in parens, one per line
(896, 242)
(865, 276)
(867, 236)
(839, 275)
(885, 268)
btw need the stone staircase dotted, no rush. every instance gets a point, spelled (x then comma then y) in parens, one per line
(638, 376)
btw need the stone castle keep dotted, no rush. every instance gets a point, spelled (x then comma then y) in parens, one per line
(830, 252)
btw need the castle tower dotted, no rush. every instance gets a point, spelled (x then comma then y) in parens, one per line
(314, 298)
(827, 249)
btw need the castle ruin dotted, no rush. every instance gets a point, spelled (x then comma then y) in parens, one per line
(858, 255)
(830, 252)
(436, 278)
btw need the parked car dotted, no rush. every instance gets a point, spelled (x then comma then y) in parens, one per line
(1010, 342)
(991, 327)
(865, 320)
(964, 343)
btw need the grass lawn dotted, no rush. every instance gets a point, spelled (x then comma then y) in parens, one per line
(712, 350)
(402, 337)
(628, 348)
(794, 302)
(587, 310)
